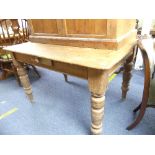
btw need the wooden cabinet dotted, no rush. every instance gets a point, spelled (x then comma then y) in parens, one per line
(86, 28)
(45, 26)
(93, 33)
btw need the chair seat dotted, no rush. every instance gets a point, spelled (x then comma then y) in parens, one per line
(5, 58)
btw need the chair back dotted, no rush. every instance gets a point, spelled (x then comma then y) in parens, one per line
(13, 31)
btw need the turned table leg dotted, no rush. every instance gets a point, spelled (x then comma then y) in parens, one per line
(24, 79)
(127, 76)
(66, 78)
(97, 110)
(97, 81)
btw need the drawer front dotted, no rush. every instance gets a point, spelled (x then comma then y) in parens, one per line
(53, 65)
(27, 59)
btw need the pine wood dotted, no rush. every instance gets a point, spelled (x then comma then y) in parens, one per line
(89, 49)
(97, 82)
(87, 57)
(95, 65)
(93, 33)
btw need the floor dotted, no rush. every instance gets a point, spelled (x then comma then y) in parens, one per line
(62, 108)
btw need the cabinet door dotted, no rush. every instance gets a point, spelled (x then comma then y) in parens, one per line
(86, 28)
(46, 26)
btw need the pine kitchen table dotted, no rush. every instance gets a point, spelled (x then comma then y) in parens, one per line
(94, 65)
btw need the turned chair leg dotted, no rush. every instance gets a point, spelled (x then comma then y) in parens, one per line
(137, 108)
(142, 108)
(34, 68)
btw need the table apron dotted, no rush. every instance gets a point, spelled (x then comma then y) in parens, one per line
(78, 71)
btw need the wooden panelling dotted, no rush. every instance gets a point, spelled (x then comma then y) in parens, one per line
(85, 42)
(93, 33)
(111, 28)
(90, 27)
(61, 25)
(76, 42)
(45, 26)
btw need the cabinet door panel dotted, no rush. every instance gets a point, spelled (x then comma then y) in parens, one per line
(86, 27)
(45, 26)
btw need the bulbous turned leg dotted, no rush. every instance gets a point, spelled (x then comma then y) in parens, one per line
(24, 79)
(98, 81)
(16, 75)
(127, 76)
(25, 82)
(97, 110)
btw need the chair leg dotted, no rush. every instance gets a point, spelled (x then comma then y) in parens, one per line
(137, 108)
(34, 68)
(66, 78)
(142, 108)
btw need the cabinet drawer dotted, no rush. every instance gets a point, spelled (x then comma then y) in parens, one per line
(33, 60)
(27, 58)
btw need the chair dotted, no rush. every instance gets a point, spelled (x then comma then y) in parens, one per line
(12, 31)
(148, 98)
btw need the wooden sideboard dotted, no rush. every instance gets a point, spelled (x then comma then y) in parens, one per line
(89, 49)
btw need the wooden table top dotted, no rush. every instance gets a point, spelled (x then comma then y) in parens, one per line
(86, 57)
